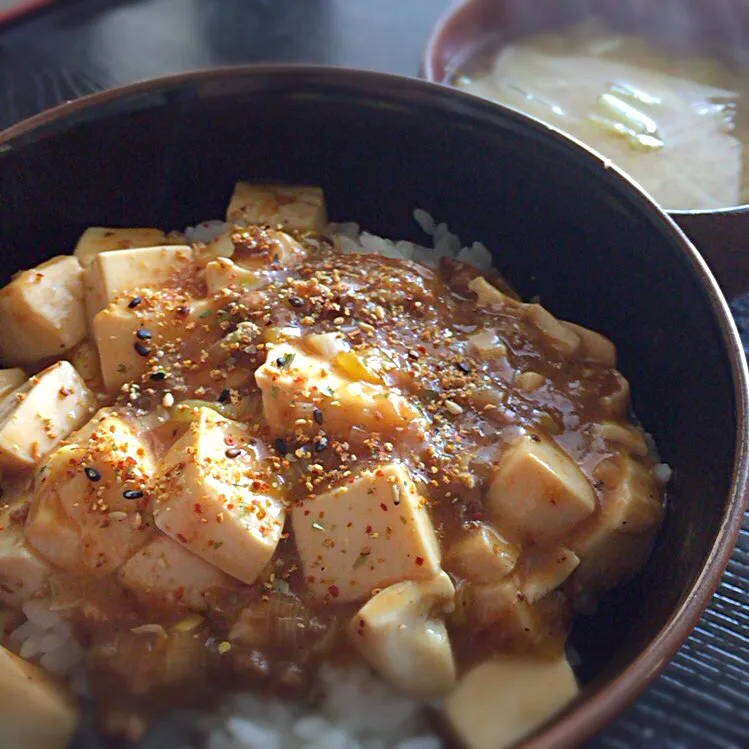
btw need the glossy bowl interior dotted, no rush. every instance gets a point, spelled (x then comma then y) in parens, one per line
(714, 28)
(559, 224)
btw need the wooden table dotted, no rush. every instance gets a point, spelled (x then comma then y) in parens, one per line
(76, 47)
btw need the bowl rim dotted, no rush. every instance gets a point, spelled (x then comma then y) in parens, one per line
(428, 71)
(583, 718)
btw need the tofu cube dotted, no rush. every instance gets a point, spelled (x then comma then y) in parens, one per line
(292, 382)
(482, 556)
(85, 358)
(615, 542)
(258, 248)
(222, 274)
(401, 634)
(10, 379)
(624, 435)
(546, 572)
(42, 313)
(296, 207)
(23, 573)
(113, 274)
(98, 239)
(114, 330)
(558, 335)
(217, 506)
(490, 296)
(365, 535)
(594, 347)
(538, 491)
(502, 609)
(487, 345)
(499, 702)
(36, 712)
(164, 571)
(36, 417)
(91, 506)
(632, 500)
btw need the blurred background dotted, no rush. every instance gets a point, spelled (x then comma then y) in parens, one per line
(72, 47)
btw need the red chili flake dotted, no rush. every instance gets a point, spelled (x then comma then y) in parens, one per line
(198, 509)
(333, 590)
(179, 593)
(383, 507)
(419, 561)
(230, 506)
(368, 529)
(477, 516)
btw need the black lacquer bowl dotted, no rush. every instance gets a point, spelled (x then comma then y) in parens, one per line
(561, 224)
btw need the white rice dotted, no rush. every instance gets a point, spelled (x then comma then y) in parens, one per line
(357, 710)
(47, 639)
(205, 231)
(349, 238)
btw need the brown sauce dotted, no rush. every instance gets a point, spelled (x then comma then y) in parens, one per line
(411, 328)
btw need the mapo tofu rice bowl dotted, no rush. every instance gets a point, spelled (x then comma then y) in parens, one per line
(323, 488)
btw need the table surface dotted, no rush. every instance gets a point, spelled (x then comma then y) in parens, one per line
(78, 46)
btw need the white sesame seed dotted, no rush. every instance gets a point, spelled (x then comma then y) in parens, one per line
(453, 408)
(168, 400)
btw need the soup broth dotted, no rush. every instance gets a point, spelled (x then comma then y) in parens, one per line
(674, 123)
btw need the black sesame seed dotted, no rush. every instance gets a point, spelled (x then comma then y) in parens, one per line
(463, 367)
(295, 301)
(317, 416)
(158, 376)
(144, 335)
(141, 349)
(233, 452)
(92, 474)
(132, 494)
(224, 395)
(135, 301)
(321, 444)
(281, 446)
